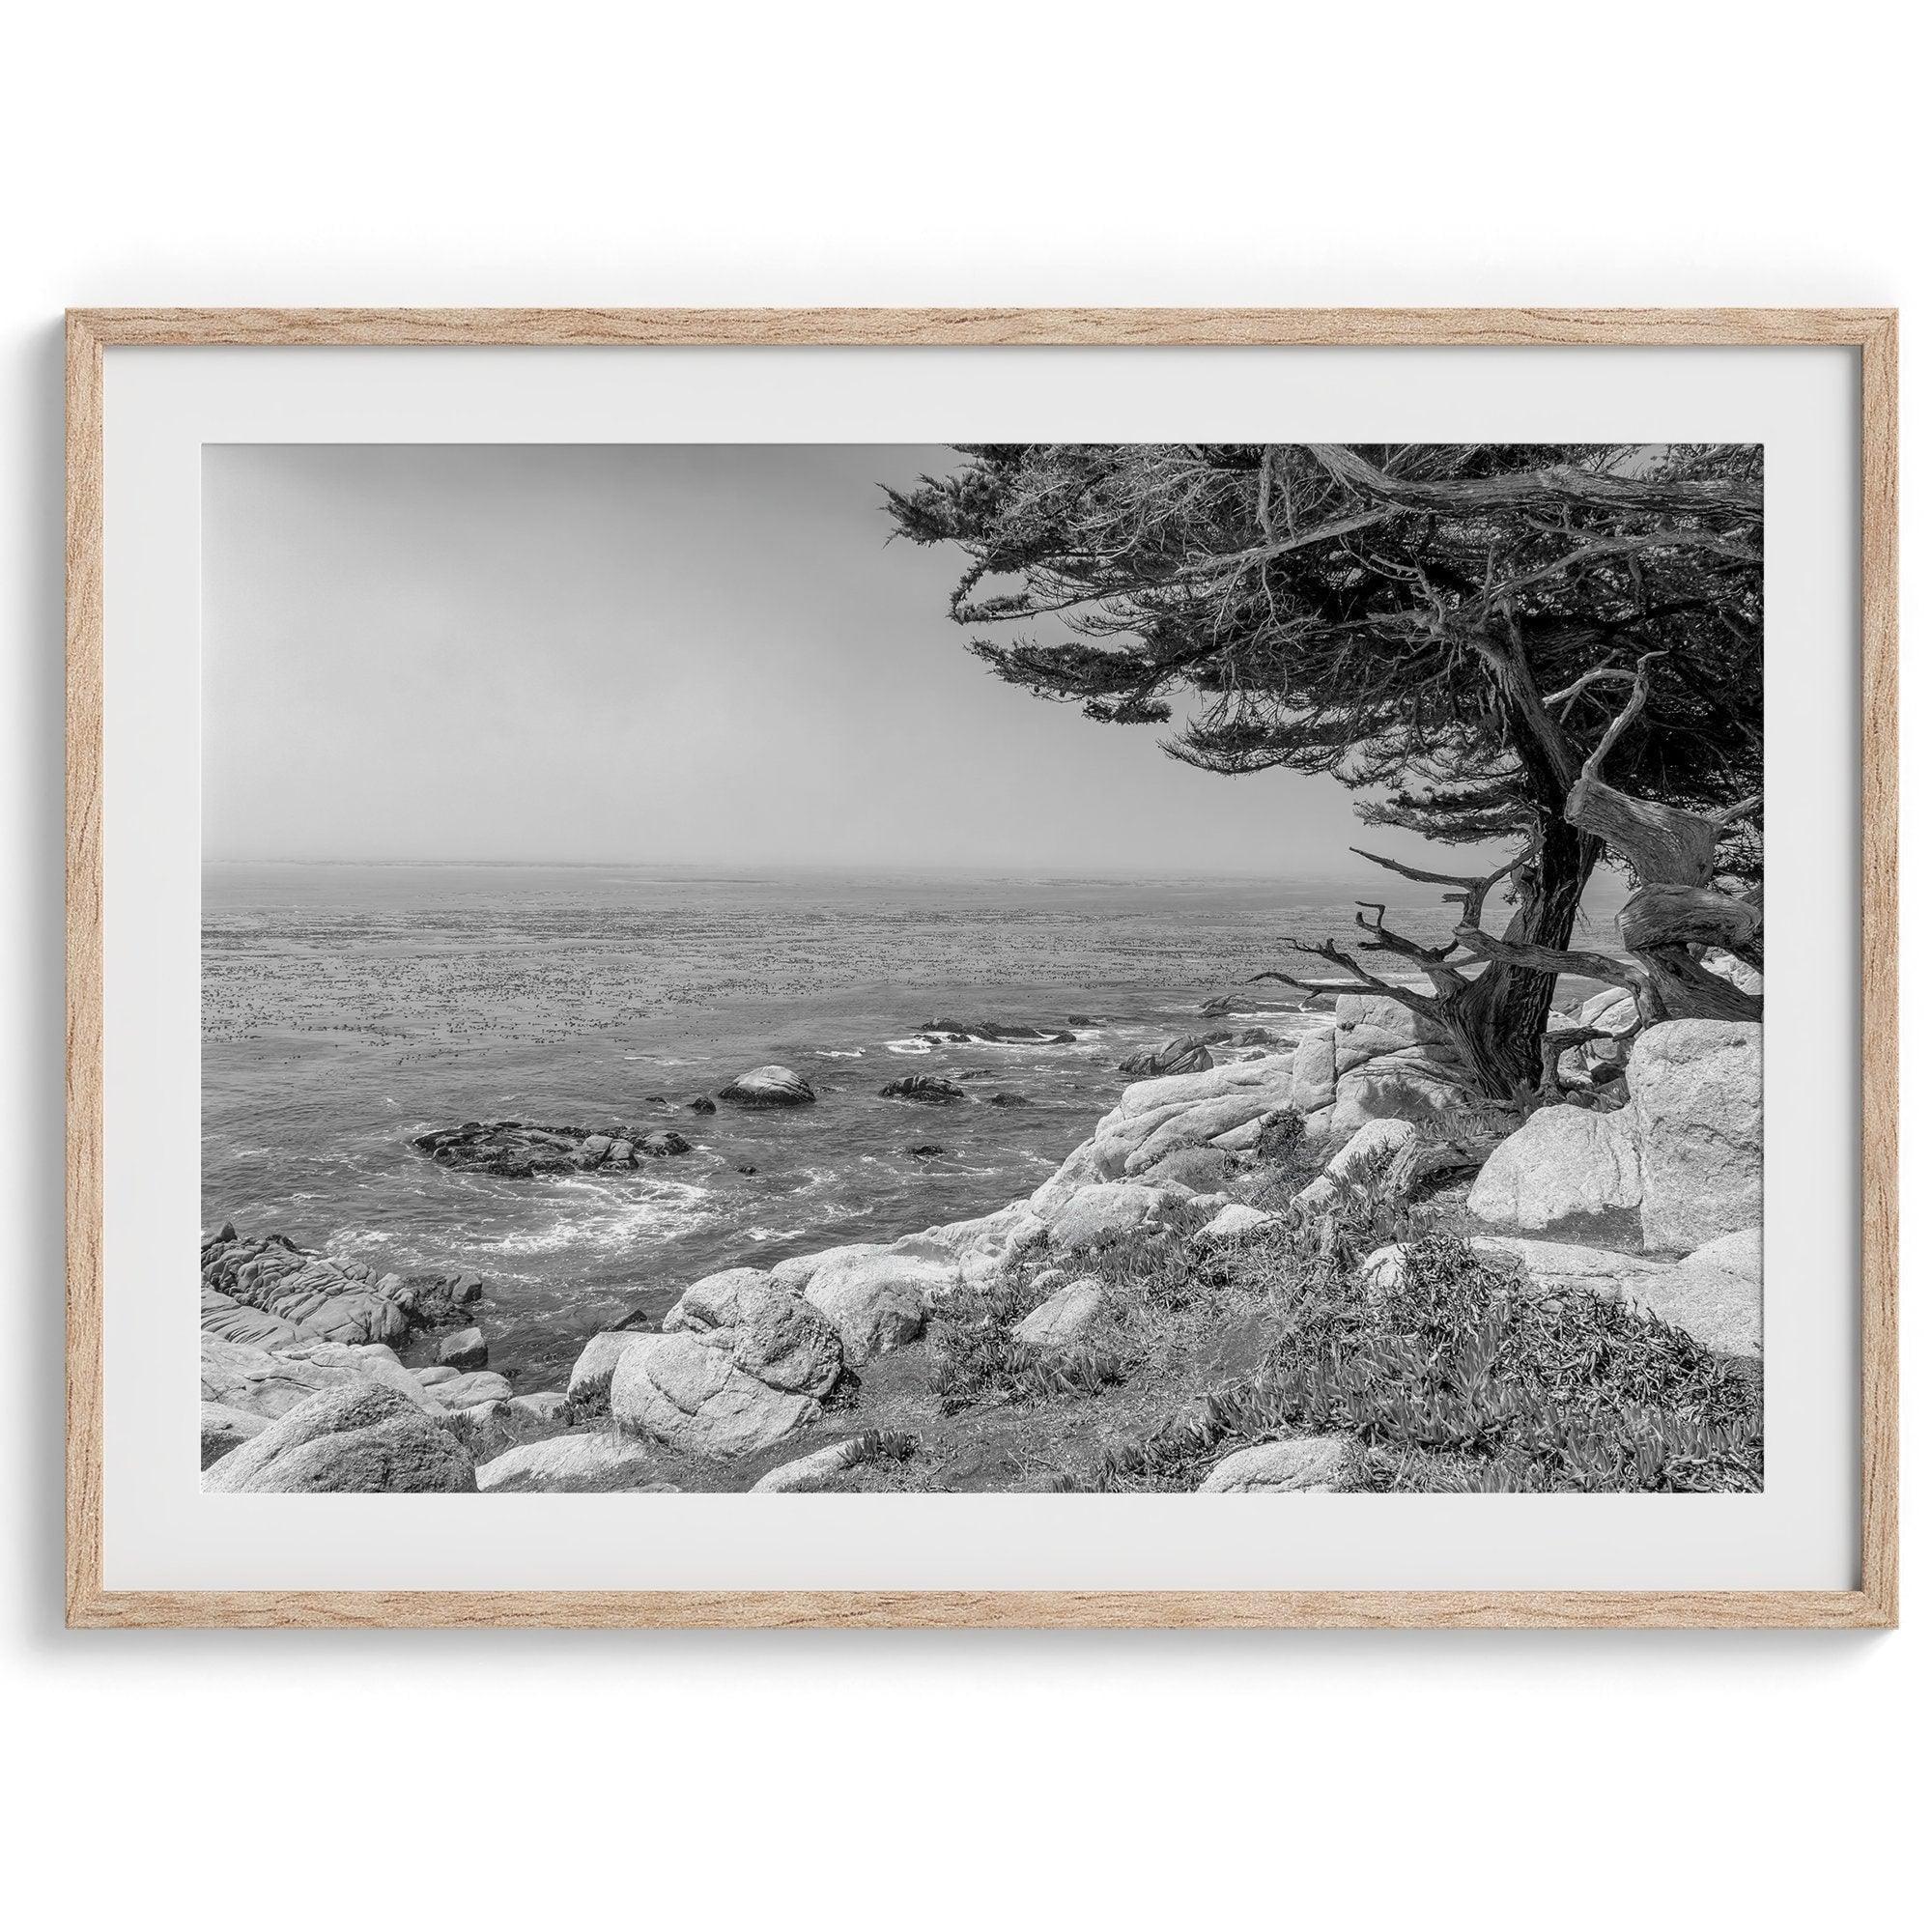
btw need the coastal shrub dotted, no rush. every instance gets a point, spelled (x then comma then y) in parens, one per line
(1156, 1270)
(1466, 1375)
(1282, 1133)
(1274, 1179)
(977, 1357)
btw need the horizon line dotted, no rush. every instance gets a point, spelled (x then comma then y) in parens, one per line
(1059, 869)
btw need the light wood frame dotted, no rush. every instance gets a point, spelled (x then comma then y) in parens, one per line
(1873, 333)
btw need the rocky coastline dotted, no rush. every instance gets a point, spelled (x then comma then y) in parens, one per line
(958, 1356)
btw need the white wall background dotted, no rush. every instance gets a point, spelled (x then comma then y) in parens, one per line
(1124, 153)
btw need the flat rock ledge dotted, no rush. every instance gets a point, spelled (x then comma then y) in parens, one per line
(518, 1150)
(265, 1291)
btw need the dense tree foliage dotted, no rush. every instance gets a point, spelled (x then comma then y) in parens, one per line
(1460, 633)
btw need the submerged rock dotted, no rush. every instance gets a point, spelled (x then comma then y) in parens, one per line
(769, 1087)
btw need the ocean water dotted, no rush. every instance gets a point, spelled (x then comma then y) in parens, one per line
(347, 1008)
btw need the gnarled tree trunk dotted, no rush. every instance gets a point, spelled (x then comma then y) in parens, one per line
(1496, 1018)
(1675, 912)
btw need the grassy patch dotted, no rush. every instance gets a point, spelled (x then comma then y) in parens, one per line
(1469, 1376)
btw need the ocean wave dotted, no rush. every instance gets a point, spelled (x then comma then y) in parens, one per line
(909, 1045)
(611, 1220)
(838, 1053)
(824, 1177)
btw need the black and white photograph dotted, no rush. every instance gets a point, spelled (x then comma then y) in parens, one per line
(970, 950)
(1038, 967)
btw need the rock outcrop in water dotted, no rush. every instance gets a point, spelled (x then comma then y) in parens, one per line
(265, 1291)
(929, 1088)
(1192, 1053)
(320, 1326)
(518, 1150)
(994, 1033)
(769, 1087)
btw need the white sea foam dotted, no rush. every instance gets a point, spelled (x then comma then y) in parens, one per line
(612, 1220)
(909, 1045)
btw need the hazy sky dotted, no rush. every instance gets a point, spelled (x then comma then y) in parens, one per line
(656, 654)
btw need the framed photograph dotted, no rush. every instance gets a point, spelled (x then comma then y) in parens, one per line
(1009, 968)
